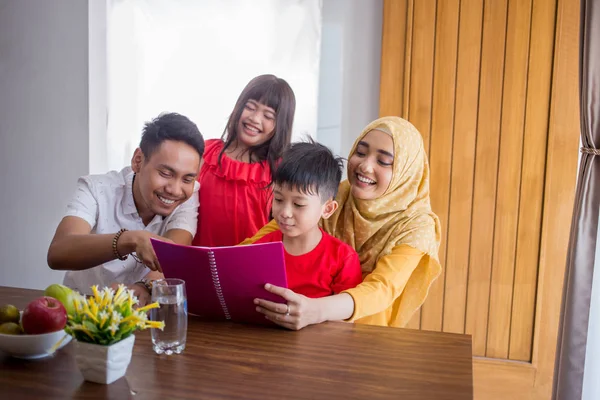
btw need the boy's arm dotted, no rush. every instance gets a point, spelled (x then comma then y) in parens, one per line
(349, 274)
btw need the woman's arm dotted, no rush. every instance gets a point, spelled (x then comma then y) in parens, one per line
(268, 228)
(386, 283)
(374, 295)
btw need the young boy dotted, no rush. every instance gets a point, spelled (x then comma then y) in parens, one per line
(305, 185)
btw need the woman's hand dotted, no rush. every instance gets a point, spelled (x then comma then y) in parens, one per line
(300, 311)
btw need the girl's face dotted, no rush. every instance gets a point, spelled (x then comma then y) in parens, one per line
(371, 165)
(256, 124)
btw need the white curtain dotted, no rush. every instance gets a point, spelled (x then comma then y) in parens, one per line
(194, 57)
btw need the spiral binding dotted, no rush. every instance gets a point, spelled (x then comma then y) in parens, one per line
(217, 283)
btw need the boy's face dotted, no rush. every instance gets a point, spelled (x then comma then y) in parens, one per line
(297, 213)
(165, 179)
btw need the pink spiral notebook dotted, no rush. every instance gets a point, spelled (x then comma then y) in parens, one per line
(222, 282)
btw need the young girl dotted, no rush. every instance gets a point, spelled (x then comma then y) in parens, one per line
(235, 200)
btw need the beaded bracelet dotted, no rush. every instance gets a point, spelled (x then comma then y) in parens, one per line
(114, 245)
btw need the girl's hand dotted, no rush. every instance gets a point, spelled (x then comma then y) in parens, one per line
(300, 311)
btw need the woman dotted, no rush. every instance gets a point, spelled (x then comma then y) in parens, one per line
(385, 215)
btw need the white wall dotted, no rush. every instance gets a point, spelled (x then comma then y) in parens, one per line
(43, 129)
(591, 375)
(350, 70)
(52, 110)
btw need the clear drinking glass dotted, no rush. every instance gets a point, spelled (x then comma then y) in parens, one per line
(171, 297)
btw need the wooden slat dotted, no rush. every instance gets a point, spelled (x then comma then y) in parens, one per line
(432, 311)
(509, 176)
(486, 166)
(532, 178)
(561, 170)
(442, 130)
(408, 68)
(393, 45)
(463, 163)
(423, 35)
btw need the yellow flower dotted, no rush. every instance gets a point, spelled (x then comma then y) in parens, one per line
(116, 317)
(93, 306)
(114, 327)
(103, 315)
(155, 324)
(132, 318)
(149, 307)
(95, 293)
(77, 304)
(104, 312)
(92, 316)
(79, 327)
(120, 290)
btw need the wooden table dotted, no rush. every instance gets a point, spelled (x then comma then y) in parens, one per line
(236, 361)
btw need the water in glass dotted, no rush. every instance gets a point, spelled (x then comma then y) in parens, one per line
(171, 297)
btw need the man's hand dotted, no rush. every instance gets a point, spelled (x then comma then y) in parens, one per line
(138, 242)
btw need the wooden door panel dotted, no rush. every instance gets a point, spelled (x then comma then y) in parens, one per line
(532, 179)
(514, 95)
(492, 87)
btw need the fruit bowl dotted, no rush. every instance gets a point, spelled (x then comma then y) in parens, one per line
(33, 346)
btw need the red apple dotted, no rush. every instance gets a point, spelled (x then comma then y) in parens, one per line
(44, 314)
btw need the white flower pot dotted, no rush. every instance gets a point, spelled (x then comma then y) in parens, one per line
(104, 364)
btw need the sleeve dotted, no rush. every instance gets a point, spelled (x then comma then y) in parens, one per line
(268, 238)
(186, 215)
(386, 283)
(268, 228)
(349, 274)
(83, 204)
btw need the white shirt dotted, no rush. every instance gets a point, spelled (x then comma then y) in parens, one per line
(106, 203)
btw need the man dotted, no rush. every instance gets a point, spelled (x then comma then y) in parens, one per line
(104, 237)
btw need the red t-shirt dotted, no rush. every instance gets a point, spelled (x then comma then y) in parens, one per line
(330, 268)
(235, 198)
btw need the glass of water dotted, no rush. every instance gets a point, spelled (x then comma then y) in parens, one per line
(172, 300)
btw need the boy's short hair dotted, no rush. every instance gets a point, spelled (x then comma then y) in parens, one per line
(311, 168)
(170, 126)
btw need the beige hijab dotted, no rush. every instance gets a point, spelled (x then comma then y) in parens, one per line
(402, 215)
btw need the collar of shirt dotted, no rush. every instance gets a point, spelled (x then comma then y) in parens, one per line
(128, 202)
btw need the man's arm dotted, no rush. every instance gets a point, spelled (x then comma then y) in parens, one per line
(74, 248)
(180, 236)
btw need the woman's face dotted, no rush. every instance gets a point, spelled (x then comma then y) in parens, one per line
(371, 166)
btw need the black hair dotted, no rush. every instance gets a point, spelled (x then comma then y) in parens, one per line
(170, 126)
(311, 168)
(273, 92)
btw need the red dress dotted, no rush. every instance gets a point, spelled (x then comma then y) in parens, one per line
(331, 267)
(235, 198)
